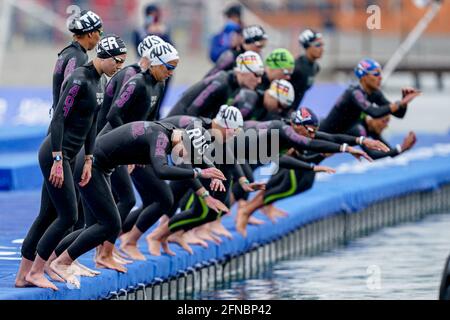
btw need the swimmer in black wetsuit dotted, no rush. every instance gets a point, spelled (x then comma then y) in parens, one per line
(268, 105)
(146, 143)
(224, 126)
(73, 125)
(87, 31)
(211, 230)
(373, 128)
(279, 65)
(204, 98)
(297, 137)
(138, 100)
(121, 191)
(120, 78)
(306, 66)
(365, 98)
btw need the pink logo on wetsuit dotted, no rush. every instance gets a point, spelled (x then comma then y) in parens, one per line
(185, 121)
(110, 89)
(161, 145)
(70, 67)
(59, 66)
(125, 96)
(137, 129)
(68, 103)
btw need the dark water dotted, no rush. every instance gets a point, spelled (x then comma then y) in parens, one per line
(403, 262)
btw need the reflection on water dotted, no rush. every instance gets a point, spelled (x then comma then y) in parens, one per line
(403, 262)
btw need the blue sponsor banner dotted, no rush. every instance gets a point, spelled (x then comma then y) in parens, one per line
(25, 106)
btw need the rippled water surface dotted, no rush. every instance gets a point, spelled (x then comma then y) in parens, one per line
(403, 262)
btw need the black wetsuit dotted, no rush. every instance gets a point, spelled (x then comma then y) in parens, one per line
(197, 213)
(113, 89)
(138, 100)
(226, 61)
(265, 83)
(251, 105)
(361, 129)
(350, 106)
(302, 78)
(288, 138)
(141, 142)
(73, 125)
(178, 189)
(323, 142)
(290, 182)
(204, 98)
(70, 58)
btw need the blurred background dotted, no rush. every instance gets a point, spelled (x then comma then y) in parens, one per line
(33, 32)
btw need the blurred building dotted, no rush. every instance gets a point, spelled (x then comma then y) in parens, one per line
(37, 32)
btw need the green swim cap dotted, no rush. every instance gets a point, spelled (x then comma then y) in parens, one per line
(280, 59)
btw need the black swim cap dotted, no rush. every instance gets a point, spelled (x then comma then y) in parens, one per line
(86, 22)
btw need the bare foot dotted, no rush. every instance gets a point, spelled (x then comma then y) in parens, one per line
(191, 238)
(122, 255)
(65, 272)
(39, 280)
(77, 270)
(110, 263)
(265, 209)
(252, 220)
(278, 212)
(255, 221)
(204, 234)
(124, 237)
(154, 246)
(218, 228)
(52, 274)
(121, 260)
(132, 251)
(216, 238)
(98, 249)
(165, 246)
(271, 215)
(241, 222)
(81, 266)
(23, 283)
(179, 239)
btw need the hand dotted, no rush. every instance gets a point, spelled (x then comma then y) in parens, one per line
(244, 183)
(409, 141)
(212, 173)
(217, 185)
(57, 174)
(87, 173)
(292, 152)
(410, 97)
(327, 155)
(131, 168)
(255, 186)
(408, 90)
(215, 204)
(375, 145)
(358, 154)
(324, 169)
